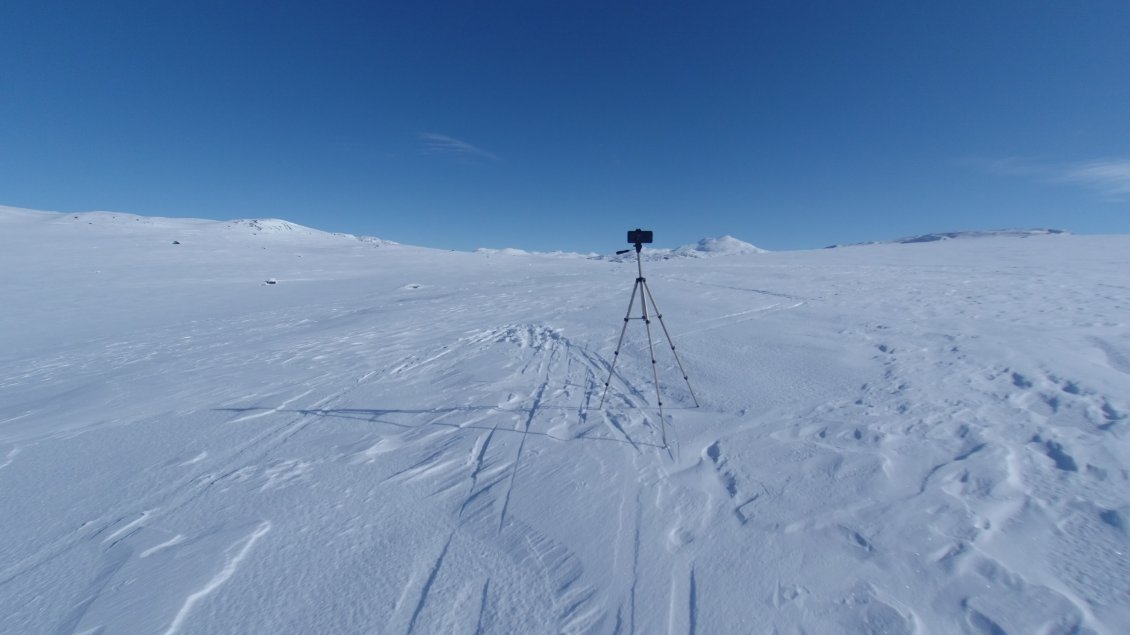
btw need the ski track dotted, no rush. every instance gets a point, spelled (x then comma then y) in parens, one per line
(545, 359)
(548, 356)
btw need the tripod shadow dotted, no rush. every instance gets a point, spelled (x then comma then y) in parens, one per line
(381, 416)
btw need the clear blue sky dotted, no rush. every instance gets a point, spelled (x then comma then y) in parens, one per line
(559, 125)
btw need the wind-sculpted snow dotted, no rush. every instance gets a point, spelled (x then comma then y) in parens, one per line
(402, 440)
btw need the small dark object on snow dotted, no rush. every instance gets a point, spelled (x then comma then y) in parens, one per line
(176, 242)
(271, 281)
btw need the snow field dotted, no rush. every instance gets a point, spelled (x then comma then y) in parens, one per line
(925, 438)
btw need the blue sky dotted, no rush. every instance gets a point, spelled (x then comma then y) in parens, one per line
(559, 125)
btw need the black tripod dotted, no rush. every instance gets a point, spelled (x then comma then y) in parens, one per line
(645, 295)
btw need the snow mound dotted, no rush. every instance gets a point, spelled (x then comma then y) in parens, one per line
(373, 240)
(506, 251)
(721, 246)
(276, 226)
(284, 229)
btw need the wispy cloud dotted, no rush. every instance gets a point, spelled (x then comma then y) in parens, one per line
(1109, 177)
(450, 146)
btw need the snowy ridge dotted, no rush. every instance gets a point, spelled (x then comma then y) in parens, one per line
(510, 251)
(407, 440)
(505, 251)
(721, 246)
(178, 228)
(269, 226)
(705, 248)
(961, 235)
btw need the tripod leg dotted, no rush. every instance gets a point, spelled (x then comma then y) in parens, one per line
(654, 371)
(659, 315)
(616, 355)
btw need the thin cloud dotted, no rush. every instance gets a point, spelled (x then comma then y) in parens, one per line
(450, 146)
(1109, 177)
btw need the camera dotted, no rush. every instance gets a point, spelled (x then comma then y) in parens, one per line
(637, 236)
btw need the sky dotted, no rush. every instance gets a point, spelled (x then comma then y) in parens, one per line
(560, 125)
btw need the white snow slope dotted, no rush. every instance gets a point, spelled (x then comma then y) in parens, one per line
(926, 438)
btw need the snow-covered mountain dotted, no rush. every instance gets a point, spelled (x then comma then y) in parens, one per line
(930, 238)
(396, 439)
(721, 246)
(175, 228)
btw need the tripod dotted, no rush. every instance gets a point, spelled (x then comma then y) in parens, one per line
(644, 292)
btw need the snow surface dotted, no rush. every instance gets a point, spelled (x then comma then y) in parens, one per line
(925, 438)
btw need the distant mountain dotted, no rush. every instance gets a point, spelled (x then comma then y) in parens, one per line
(188, 228)
(705, 248)
(930, 238)
(268, 226)
(721, 246)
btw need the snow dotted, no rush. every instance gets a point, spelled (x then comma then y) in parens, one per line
(724, 245)
(929, 238)
(506, 251)
(705, 248)
(894, 438)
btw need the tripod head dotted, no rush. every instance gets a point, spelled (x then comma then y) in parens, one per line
(638, 237)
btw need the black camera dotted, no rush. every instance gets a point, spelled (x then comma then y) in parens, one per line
(637, 236)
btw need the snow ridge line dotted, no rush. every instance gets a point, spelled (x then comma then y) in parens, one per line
(11, 453)
(635, 561)
(428, 583)
(220, 578)
(479, 458)
(482, 608)
(693, 606)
